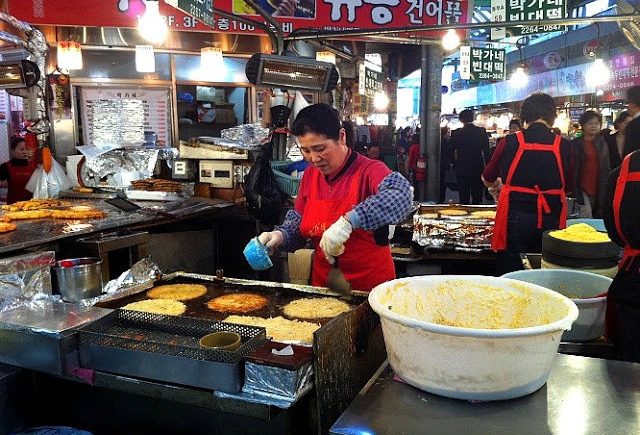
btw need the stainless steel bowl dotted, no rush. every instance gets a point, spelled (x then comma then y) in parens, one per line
(78, 278)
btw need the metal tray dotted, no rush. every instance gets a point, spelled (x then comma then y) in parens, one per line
(165, 348)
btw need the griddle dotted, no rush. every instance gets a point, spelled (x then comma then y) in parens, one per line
(277, 297)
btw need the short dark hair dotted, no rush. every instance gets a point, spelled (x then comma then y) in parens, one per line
(515, 121)
(588, 115)
(633, 95)
(320, 119)
(15, 141)
(622, 117)
(538, 106)
(350, 133)
(466, 115)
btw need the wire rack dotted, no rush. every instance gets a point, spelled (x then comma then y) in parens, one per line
(168, 335)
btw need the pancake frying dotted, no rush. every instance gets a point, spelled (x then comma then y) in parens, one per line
(167, 307)
(28, 214)
(237, 303)
(79, 212)
(315, 308)
(177, 292)
(5, 227)
(280, 329)
(484, 214)
(453, 212)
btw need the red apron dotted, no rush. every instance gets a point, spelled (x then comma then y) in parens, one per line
(629, 252)
(364, 263)
(18, 177)
(499, 239)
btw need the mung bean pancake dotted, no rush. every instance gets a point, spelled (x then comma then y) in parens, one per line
(315, 308)
(168, 307)
(177, 292)
(280, 329)
(237, 303)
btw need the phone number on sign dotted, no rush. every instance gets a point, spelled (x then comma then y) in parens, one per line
(527, 30)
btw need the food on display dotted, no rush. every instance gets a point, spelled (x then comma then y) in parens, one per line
(49, 208)
(237, 303)
(315, 308)
(177, 292)
(580, 233)
(28, 214)
(167, 307)
(158, 185)
(484, 214)
(5, 227)
(280, 329)
(78, 212)
(453, 212)
(36, 204)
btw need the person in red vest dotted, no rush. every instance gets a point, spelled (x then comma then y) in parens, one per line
(345, 204)
(621, 215)
(15, 173)
(531, 170)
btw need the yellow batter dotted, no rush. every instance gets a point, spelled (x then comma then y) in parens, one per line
(581, 233)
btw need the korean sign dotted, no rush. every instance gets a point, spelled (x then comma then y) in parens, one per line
(370, 81)
(526, 10)
(292, 14)
(199, 9)
(482, 63)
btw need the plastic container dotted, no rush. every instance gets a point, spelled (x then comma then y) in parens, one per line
(587, 290)
(222, 340)
(257, 255)
(505, 350)
(78, 278)
(598, 224)
(286, 183)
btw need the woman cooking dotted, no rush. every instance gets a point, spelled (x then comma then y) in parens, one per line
(344, 206)
(15, 173)
(621, 215)
(535, 167)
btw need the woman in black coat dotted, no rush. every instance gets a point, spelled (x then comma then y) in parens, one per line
(615, 141)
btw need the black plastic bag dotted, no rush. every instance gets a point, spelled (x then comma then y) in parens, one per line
(264, 199)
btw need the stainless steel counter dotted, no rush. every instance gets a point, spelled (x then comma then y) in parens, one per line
(42, 231)
(583, 396)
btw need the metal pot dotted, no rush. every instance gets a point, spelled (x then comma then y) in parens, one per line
(78, 278)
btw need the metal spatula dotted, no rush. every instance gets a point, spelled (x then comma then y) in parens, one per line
(336, 280)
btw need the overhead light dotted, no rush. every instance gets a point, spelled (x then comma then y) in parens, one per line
(598, 73)
(289, 72)
(69, 55)
(599, 93)
(450, 40)
(145, 58)
(151, 25)
(380, 101)
(326, 56)
(211, 58)
(519, 78)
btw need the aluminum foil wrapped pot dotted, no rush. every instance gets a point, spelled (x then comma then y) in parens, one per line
(472, 337)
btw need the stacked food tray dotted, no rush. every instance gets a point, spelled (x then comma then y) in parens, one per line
(166, 348)
(453, 227)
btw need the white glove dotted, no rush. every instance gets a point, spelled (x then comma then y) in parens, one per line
(271, 239)
(334, 238)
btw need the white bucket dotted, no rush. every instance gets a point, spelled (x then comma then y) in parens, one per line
(472, 337)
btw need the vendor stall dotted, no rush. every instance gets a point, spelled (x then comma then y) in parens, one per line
(583, 395)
